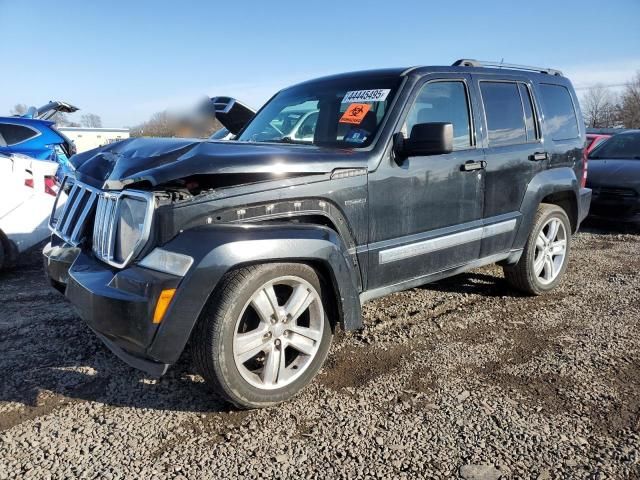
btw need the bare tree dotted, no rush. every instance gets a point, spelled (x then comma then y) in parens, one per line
(91, 120)
(62, 120)
(19, 109)
(165, 124)
(630, 103)
(599, 107)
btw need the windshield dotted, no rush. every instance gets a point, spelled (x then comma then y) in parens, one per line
(623, 146)
(332, 113)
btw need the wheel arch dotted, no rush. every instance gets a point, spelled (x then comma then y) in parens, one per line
(219, 249)
(558, 186)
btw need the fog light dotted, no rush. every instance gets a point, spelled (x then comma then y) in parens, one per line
(163, 303)
(167, 262)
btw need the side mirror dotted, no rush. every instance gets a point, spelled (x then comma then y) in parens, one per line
(435, 138)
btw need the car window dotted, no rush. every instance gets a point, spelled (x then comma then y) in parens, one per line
(559, 114)
(307, 128)
(624, 146)
(348, 112)
(529, 119)
(14, 134)
(504, 113)
(443, 102)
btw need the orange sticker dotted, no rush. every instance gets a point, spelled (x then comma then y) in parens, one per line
(355, 113)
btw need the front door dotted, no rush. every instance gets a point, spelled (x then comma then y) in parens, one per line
(514, 154)
(426, 213)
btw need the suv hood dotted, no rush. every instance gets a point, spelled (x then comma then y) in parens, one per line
(161, 160)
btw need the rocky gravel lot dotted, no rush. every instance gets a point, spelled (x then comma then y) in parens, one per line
(464, 378)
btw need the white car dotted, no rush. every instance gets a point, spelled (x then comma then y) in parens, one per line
(28, 191)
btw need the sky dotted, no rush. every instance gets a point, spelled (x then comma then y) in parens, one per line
(124, 60)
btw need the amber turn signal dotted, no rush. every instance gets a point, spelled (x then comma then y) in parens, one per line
(163, 303)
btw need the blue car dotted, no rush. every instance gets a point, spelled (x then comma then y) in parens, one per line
(34, 134)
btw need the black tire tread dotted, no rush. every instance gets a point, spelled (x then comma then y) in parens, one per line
(518, 275)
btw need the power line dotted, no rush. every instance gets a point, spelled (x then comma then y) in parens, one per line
(604, 85)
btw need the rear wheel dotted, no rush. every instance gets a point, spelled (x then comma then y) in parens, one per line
(546, 253)
(264, 334)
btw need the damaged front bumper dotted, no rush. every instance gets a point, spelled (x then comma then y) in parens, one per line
(118, 305)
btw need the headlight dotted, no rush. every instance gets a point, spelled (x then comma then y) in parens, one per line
(167, 262)
(122, 225)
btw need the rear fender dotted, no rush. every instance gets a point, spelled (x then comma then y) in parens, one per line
(549, 182)
(217, 249)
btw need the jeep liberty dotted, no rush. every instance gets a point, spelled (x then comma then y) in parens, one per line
(337, 191)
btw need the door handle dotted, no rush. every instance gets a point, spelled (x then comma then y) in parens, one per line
(472, 165)
(538, 156)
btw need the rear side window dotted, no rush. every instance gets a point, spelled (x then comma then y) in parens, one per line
(504, 112)
(529, 119)
(443, 102)
(14, 134)
(559, 114)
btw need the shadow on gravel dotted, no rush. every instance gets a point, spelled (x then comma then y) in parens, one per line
(476, 283)
(50, 358)
(603, 227)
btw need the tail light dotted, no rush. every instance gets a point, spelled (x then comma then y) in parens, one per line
(51, 185)
(585, 166)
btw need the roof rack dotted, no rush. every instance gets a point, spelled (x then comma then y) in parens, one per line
(468, 62)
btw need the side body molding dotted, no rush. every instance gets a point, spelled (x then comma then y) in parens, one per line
(216, 249)
(548, 182)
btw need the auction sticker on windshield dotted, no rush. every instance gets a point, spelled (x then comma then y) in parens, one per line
(355, 113)
(377, 95)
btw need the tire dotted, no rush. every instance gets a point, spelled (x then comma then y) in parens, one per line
(243, 305)
(526, 274)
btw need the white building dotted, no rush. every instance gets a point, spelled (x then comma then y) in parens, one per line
(87, 138)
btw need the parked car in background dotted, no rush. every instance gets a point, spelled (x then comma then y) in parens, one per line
(34, 134)
(595, 139)
(614, 177)
(28, 190)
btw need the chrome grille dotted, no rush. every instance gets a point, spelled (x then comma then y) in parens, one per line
(69, 224)
(106, 221)
(104, 224)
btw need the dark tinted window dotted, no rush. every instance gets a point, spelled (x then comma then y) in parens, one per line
(13, 134)
(443, 102)
(559, 115)
(625, 146)
(532, 133)
(503, 109)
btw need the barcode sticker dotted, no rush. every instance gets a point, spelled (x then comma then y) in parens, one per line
(377, 95)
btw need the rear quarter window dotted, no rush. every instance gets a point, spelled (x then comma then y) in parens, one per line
(560, 118)
(14, 134)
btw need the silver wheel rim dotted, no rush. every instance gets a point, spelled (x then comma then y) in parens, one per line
(551, 251)
(278, 333)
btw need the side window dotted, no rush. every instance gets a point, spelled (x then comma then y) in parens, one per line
(503, 110)
(443, 102)
(13, 134)
(559, 114)
(529, 119)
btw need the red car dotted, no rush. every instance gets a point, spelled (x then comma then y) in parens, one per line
(594, 139)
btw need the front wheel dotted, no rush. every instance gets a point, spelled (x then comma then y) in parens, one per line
(264, 334)
(546, 253)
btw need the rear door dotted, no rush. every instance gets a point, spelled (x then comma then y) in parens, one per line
(514, 153)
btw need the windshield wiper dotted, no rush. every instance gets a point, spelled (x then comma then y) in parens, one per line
(288, 140)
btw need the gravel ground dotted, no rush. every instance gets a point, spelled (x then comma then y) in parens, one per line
(463, 378)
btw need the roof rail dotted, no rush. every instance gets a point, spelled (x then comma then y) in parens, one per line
(468, 62)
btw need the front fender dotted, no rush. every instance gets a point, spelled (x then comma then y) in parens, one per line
(216, 249)
(548, 182)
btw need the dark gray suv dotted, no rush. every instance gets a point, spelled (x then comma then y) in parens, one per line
(256, 249)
